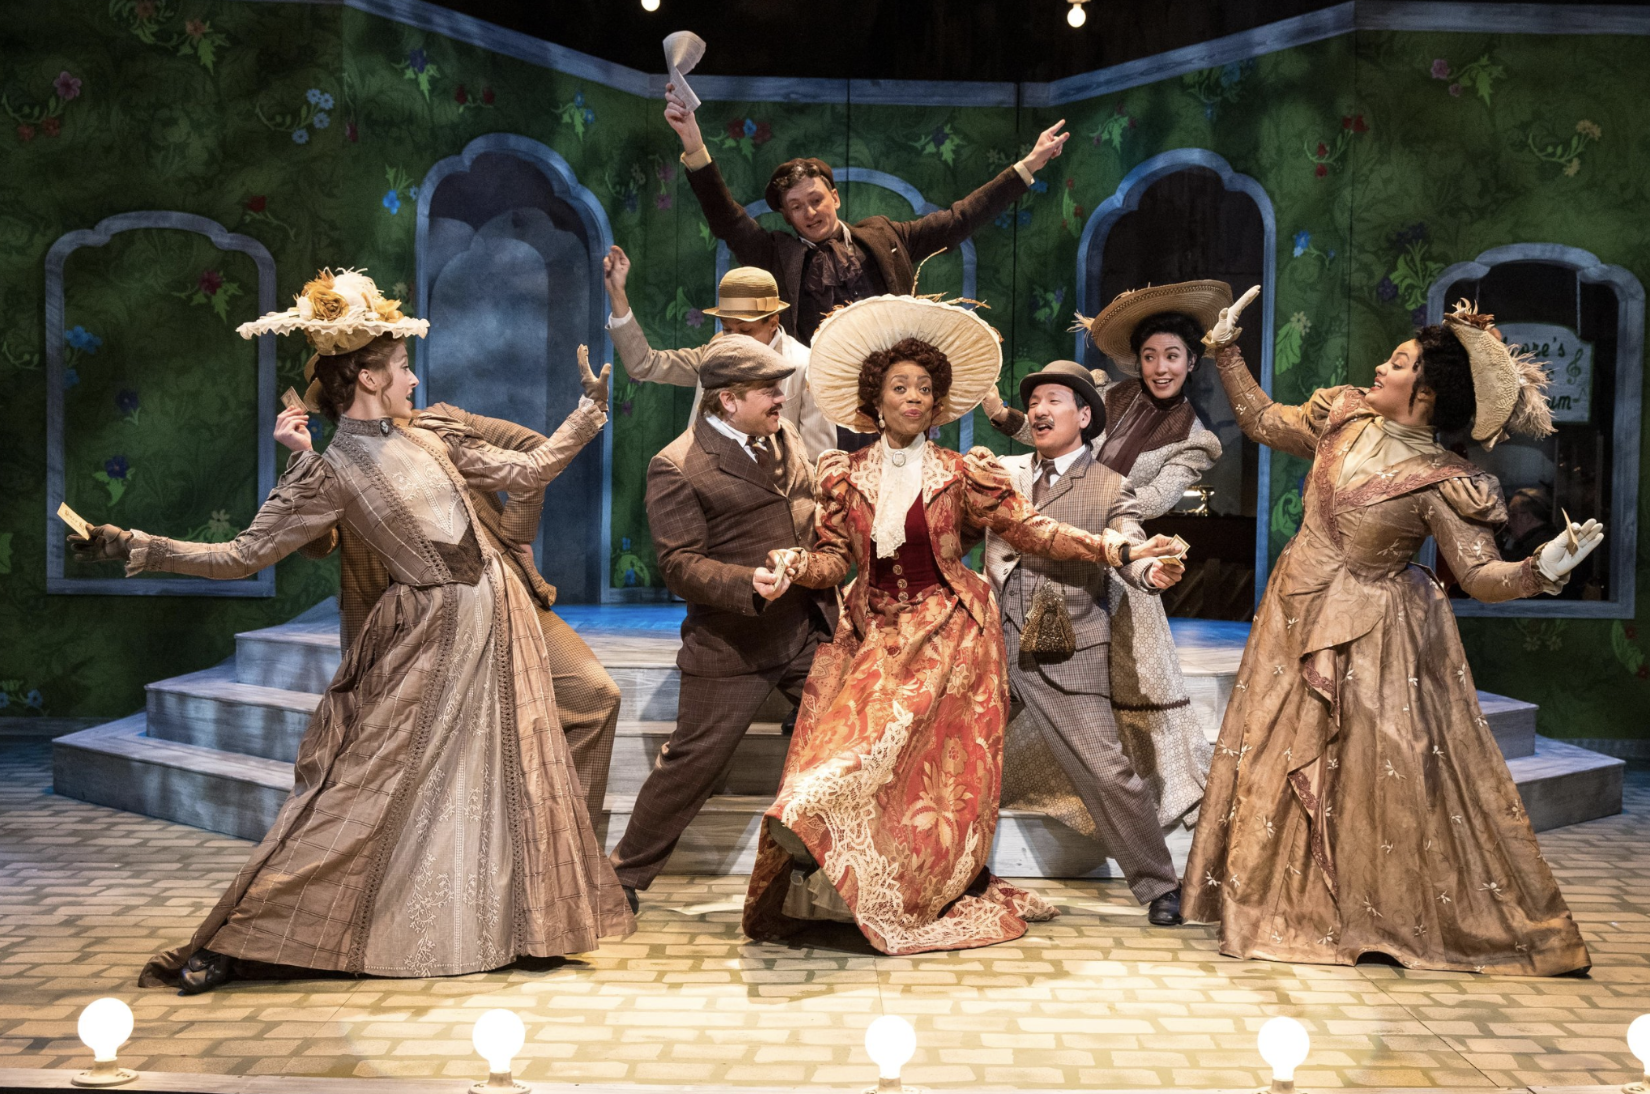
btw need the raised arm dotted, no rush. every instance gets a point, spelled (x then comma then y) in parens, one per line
(1291, 429)
(945, 228)
(641, 361)
(518, 520)
(489, 467)
(304, 505)
(749, 241)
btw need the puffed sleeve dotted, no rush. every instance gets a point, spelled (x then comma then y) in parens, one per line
(827, 562)
(990, 501)
(488, 467)
(304, 505)
(1291, 429)
(1163, 492)
(1462, 514)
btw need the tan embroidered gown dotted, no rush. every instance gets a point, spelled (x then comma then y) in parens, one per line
(436, 825)
(1357, 802)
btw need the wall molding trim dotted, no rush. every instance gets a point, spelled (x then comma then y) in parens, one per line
(1345, 18)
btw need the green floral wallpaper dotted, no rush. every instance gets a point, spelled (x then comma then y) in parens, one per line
(1386, 156)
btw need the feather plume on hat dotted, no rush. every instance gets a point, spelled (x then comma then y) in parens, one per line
(1509, 384)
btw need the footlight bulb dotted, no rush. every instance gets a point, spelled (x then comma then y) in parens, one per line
(1283, 1045)
(1076, 17)
(1638, 1043)
(650, 5)
(498, 1036)
(104, 1027)
(891, 1042)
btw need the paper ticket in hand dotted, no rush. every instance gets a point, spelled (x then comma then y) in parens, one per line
(74, 520)
(1570, 540)
(683, 50)
(293, 401)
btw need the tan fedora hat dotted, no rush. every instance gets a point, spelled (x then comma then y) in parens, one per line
(1111, 330)
(851, 334)
(747, 292)
(1509, 387)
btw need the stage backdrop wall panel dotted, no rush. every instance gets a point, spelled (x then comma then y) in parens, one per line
(309, 127)
(1544, 142)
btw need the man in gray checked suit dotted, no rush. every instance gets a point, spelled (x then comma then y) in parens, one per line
(1069, 696)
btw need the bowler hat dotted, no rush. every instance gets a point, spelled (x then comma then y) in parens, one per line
(1080, 381)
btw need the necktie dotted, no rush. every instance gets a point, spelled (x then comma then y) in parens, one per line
(1039, 487)
(762, 449)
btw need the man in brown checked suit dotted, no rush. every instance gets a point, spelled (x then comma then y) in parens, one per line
(587, 699)
(828, 263)
(1069, 695)
(733, 487)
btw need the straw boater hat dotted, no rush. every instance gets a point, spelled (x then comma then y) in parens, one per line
(338, 313)
(849, 335)
(1111, 329)
(747, 292)
(1509, 386)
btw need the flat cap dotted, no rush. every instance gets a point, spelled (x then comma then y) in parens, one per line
(740, 359)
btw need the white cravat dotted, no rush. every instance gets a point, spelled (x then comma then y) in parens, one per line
(900, 487)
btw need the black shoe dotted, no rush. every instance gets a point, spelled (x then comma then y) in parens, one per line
(203, 971)
(1165, 910)
(630, 899)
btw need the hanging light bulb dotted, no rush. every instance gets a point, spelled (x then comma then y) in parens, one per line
(498, 1036)
(1076, 16)
(104, 1027)
(891, 1042)
(650, 5)
(1283, 1045)
(1638, 1043)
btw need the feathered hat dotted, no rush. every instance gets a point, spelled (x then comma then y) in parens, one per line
(338, 313)
(1508, 385)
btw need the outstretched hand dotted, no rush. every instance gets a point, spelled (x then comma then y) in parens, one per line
(768, 584)
(107, 543)
(681, 119)
(1559, 556)
(1050, 143)
(1159, 546)
(595, 387)
(1226, 331)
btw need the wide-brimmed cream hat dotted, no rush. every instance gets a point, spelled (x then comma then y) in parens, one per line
(338, 313)
(1509, 386)
(849, 335)
(1111, 330)
(747, 292)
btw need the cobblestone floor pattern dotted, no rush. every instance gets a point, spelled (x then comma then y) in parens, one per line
(1093, 999)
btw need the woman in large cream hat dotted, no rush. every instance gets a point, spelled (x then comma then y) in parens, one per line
(1155, 439)
(436, 825)
(1358, 802)
(892, 780)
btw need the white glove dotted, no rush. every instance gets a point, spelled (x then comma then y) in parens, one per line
(1226, 330)
(1557, 557)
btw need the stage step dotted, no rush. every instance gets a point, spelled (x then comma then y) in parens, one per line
(213, 748)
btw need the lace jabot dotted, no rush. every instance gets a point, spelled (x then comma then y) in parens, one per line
(900, 486)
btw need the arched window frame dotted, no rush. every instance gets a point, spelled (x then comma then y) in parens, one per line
(1126, 199)
(1622, 534)
(564, 182)
(260, 584)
